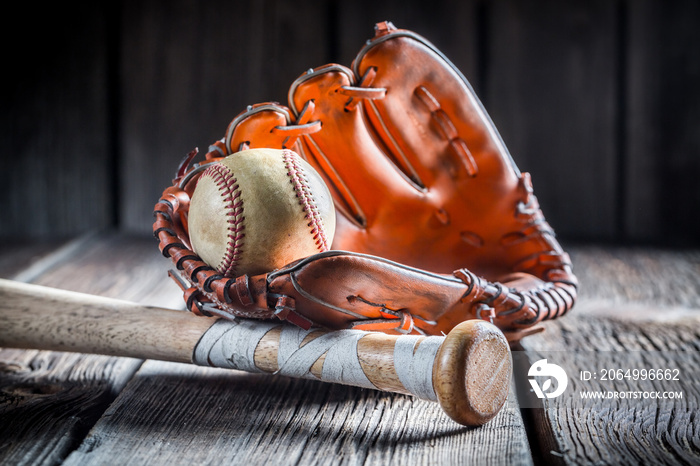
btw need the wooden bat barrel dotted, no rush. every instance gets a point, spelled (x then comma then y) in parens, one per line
(467, 371)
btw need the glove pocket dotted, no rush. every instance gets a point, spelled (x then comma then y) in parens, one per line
(340, 289)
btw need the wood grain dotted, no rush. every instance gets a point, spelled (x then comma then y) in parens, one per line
(634, 302)
(598, 100)
(662, 112)
(36, 317)
(55, 123)
(189, 68)
(550, 88)
(181, 413)
(187, 415)
(625, 431)
(49, 400)
(21, 254)
(668, 278)
(632, 299)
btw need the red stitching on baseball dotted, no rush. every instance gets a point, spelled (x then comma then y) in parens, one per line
(301, 187)
(233, 203)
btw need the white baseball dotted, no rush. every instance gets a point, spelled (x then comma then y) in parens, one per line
(258, 210)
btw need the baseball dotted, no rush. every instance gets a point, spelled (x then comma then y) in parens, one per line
(258, 210)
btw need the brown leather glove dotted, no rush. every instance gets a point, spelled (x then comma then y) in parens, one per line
(424, 187)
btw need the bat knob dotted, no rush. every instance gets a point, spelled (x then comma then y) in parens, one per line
(472, 372)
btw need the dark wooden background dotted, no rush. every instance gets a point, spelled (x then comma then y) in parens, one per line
(598, 100)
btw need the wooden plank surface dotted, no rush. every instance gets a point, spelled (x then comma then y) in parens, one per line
(176, 414)
(80, 409)
(638, 309)
(668, 278)
(620, 431)
(21, 254)
(49, 400)
(161, 413)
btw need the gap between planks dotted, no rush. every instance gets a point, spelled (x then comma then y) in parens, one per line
(571, 431)
(50, 400)
(386, 426)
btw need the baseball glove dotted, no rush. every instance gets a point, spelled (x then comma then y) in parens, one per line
(436, 224)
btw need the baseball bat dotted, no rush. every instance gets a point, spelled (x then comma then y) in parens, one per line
(467, 371)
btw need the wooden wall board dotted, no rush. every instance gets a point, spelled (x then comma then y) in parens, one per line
(550, 86)
(624, 431)
(662, 113)
(56, 157)
(188, 68)
(454, 27)
(597, 100)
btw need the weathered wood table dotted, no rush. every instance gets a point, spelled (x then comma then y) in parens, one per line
(63, 408)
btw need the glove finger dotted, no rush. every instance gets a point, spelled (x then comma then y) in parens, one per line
(257, 127)
(357, 170)
(430, 113)
(490, 218)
